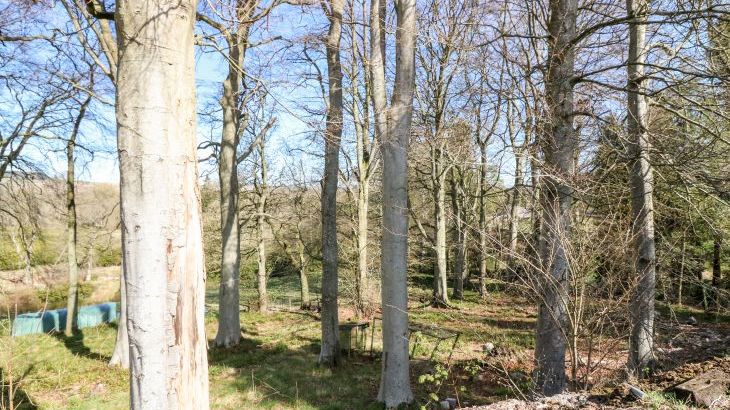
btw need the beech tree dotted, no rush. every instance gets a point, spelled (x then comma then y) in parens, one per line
(330, 350)
(392, 127)
(73, 268)
(641, 345)
(556, 196)
(164, 269)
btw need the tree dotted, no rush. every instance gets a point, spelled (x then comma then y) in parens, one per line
(163, 260)
(235, 32)
(558, 146)
(392, 127)
(641, 345)
(330, 351)
(73, 268)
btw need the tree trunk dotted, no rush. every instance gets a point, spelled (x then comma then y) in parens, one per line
(681, 270)
(483, 175)
(303, 280)
(363, 287)
(440, 279)
(641, 344)
(120, 356)
(164, 269)
(73, 267)
(520, 158)
(556, 200)
(261, 275)
(460, 235)
(393, 130)
(329, 354)
(717, 261)
(229, 322)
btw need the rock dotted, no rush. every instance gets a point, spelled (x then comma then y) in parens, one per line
(636, 392)
(517, 376)
(445, 405)
(692, 321)
(452, 402)
(707, 389)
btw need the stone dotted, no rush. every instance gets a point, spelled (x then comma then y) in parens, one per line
(636, 392)
(445, 405)
(518, 376)
(707, 389)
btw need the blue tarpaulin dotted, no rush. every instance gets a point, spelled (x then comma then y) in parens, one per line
(55, 320)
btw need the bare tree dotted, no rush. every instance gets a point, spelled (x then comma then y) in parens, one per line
(392, 127)
(641, 349)
(559, 147)
(73, 268)
(330, 351)
(163, 256)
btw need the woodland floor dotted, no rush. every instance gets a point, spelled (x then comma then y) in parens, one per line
(274, 367)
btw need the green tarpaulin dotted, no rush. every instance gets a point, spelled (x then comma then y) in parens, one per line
(55, 320)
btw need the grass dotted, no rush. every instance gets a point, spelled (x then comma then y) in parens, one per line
(275, 367)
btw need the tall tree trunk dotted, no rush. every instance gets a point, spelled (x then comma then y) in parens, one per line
(440, 279)
(392, 128)
(229, 322)
(681, 269)
(556, 200)
(73, 267)
(641, 344)
(520, 159)
(164, 267)
(303, 280)
(717, 261)
(460, 233)
(263, 193)
(120, 356)
(330, 352)
(483, 175)
(363, 202)
(363, 147)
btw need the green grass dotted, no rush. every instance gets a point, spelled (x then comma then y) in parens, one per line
(275, 367)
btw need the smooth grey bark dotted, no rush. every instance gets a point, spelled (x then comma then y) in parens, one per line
(366, 164)
(263, 195)
(302, 266)
(438, 185)
(513, 229)
(483, 175)
(120, 356)
(72, 240)
(392, 126)
(163, 260)
(363, 204)
(329, 354)
(559, 146)
(681, 268)
(641, 343)
(461, 231)
(229, 321)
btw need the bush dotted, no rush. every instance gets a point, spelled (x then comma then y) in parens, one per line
(108, 256)
(58, 294)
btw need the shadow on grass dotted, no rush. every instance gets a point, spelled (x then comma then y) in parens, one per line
(276, 375)
(20, 399)
(75, 344)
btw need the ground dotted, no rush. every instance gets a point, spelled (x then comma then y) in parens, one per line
(274, 367)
